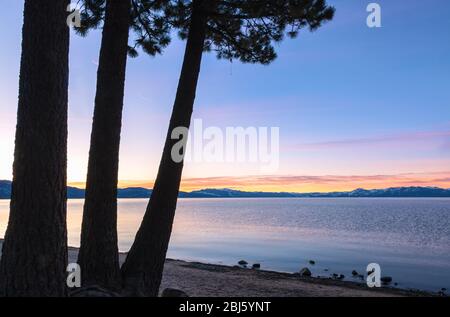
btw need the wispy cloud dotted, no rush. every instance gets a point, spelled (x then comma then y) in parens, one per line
(306, 183)
(443, 136)
(302, 183)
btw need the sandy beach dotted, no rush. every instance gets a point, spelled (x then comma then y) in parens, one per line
(204, 280)
(210, 280)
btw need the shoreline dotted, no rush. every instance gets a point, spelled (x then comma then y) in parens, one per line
(279, 284)
(214, 280)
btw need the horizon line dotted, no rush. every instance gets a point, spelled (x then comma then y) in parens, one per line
(275, 192)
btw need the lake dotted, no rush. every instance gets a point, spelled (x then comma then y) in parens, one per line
(409, 238)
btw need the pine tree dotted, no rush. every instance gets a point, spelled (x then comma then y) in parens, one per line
(34, 256)
(235, 29)
(99, 256)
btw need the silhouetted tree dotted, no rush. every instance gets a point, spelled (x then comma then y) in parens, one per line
(235, 29)
(34, 257)
(98, 256)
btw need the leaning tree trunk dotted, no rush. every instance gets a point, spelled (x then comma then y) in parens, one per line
(99, 256)
(143, 268)
(34, 258)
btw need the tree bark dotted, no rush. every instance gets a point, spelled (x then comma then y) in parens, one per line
(34, 256)
(143, 268)
(99, 256)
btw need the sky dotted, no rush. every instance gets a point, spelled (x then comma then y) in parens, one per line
(355, 106)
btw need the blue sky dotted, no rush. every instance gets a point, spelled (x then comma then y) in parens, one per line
(349, 100)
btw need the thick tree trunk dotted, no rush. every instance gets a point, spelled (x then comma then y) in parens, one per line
(143, 268)
(34, 258)
(99, 257)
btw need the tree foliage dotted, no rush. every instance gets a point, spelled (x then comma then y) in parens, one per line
(151, 30)
(244, 30)
(247, 30)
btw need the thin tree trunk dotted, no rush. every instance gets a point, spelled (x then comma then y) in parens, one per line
(143, 268)
(99, 257)
(34, 258)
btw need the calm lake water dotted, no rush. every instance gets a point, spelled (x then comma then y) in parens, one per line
(409, 238)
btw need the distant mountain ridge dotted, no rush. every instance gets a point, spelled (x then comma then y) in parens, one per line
(139, 192)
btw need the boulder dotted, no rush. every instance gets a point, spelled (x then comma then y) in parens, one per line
(386, 279)
(305, 272)
(338, 276)
(354, 273)
(242, 262)
(312, 262)
(256, 266)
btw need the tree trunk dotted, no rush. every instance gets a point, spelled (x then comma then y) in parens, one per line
(34, 258)
(99, 256)
(143, 268)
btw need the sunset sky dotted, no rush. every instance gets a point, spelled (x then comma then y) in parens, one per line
(356, 107)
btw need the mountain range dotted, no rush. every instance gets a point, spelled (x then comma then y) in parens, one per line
(139, 192)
